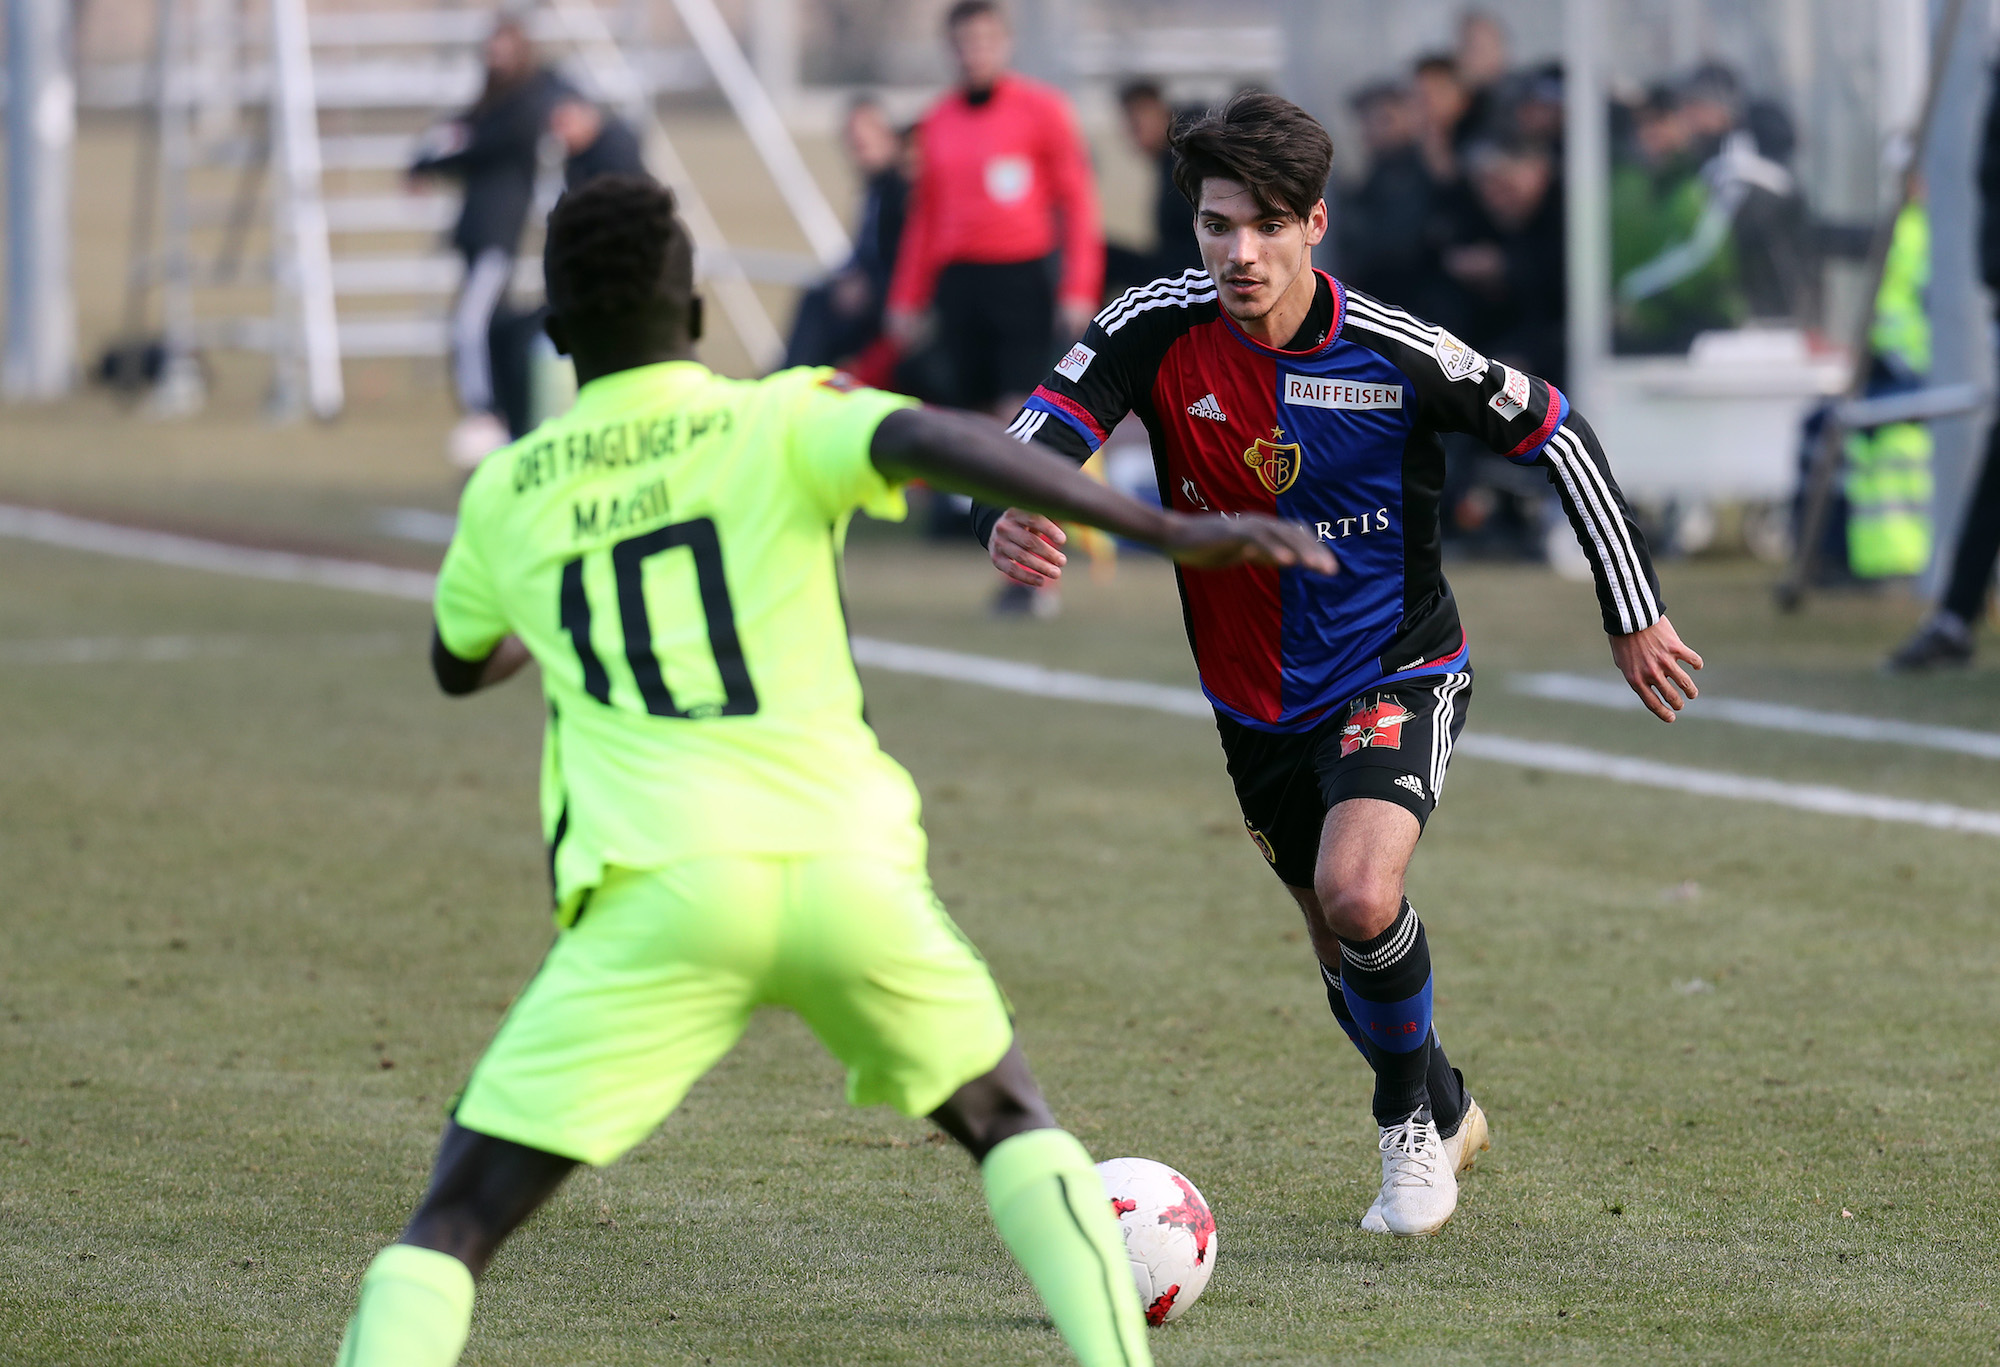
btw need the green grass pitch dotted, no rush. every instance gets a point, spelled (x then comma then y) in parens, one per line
(264, 904)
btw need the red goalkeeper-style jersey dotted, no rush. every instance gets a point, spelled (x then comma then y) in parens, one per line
(1005, 180)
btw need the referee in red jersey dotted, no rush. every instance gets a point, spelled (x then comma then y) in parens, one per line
(1003, 186)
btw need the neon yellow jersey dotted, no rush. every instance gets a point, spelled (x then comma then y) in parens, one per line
(669, 551)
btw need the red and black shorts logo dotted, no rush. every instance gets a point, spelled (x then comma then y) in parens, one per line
(1374, 723)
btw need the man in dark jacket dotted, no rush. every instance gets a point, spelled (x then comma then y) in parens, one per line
(594, 143)
(1945, 639)
(1148, 120)
(1386, 243)
(842, 316)
(492, 150)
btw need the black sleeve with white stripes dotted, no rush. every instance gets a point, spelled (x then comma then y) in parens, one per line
(1529, 421)
(1627, 589)
(1104, 375)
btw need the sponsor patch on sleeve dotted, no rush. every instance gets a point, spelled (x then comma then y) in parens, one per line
(1512, 400)
(1075, 362)
(841, 382)
(1456, 359)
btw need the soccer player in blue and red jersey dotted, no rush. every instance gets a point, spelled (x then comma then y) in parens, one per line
(1270, 387)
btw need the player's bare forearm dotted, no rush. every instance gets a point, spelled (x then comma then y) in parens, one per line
(975, 456)
(970, 455)
(459, 676)
(1655, 662)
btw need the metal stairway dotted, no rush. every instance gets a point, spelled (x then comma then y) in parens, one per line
(274, 168)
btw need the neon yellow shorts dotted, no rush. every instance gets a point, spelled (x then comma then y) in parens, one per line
(657, 979)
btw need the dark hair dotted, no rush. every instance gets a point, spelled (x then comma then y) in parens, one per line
(1377, 93)
(1660, 100)
(616, 253)
(1438, 63)
(967, 10)
(1140, 88)
(1270, 144)
(1713, 82)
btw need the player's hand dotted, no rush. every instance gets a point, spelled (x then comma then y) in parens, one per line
(904, 327)
(1026, 547)
(1651, 662)
(1211, 542)
(1073, 319)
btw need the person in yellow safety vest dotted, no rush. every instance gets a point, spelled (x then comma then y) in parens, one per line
(1888, 471)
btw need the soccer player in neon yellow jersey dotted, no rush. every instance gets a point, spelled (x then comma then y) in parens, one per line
(724, 830)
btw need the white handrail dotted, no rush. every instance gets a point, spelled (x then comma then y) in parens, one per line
(302, 212)
(616, 80)
(760, 119)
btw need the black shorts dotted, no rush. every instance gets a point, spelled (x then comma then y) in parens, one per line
(996, 325)
(1391, 743)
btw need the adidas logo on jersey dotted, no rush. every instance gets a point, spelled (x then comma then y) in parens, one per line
(1412, 782)
(1207, 407)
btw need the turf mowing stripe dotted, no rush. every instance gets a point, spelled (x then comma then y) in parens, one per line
(1607, 693)
(1012, 676)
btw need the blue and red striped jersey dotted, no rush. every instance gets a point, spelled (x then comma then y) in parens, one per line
(1343, 437)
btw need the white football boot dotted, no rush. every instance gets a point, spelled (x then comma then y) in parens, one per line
(1420, 1173)
(1471, 1140)
(1462, 1148)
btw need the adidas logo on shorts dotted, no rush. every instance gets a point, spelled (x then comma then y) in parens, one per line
(1412, 782)
(1207, 407)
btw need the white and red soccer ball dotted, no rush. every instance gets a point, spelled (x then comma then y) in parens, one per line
(1169, 1233)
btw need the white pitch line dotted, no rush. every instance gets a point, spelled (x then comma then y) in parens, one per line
(1769, 716)
(1012, 676)
(187, 552)
(1806, 797)
(95, 650)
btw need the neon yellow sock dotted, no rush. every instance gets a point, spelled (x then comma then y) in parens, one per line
(1051, 1210)
(415, 1311)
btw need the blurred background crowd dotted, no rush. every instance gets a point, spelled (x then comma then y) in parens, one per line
(1749, 153)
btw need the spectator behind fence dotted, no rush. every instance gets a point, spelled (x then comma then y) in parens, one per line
(841, 318)
(594, 143)
(1480, 64)
(1442, 106)
(1675, 274)
(1148, 121)
(1711, 104)
(1508, 257)
(1386, 247)
(1003, 183)
(491, 149)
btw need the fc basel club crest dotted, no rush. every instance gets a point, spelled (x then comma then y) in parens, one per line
(1377, 723)
(1276, 464)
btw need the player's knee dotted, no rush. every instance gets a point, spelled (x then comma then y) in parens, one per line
(995, 1106)
(1358, 905)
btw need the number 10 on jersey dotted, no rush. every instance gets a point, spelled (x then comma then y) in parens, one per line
(629, 562)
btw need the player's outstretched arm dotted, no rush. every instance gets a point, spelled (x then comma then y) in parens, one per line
(1651, 660)
(459, 676)
(970, 455)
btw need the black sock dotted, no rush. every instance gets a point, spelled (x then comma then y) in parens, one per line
(1444, 1083)
(1386, 984)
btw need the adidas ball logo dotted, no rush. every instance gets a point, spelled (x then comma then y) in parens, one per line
(1207, 407)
